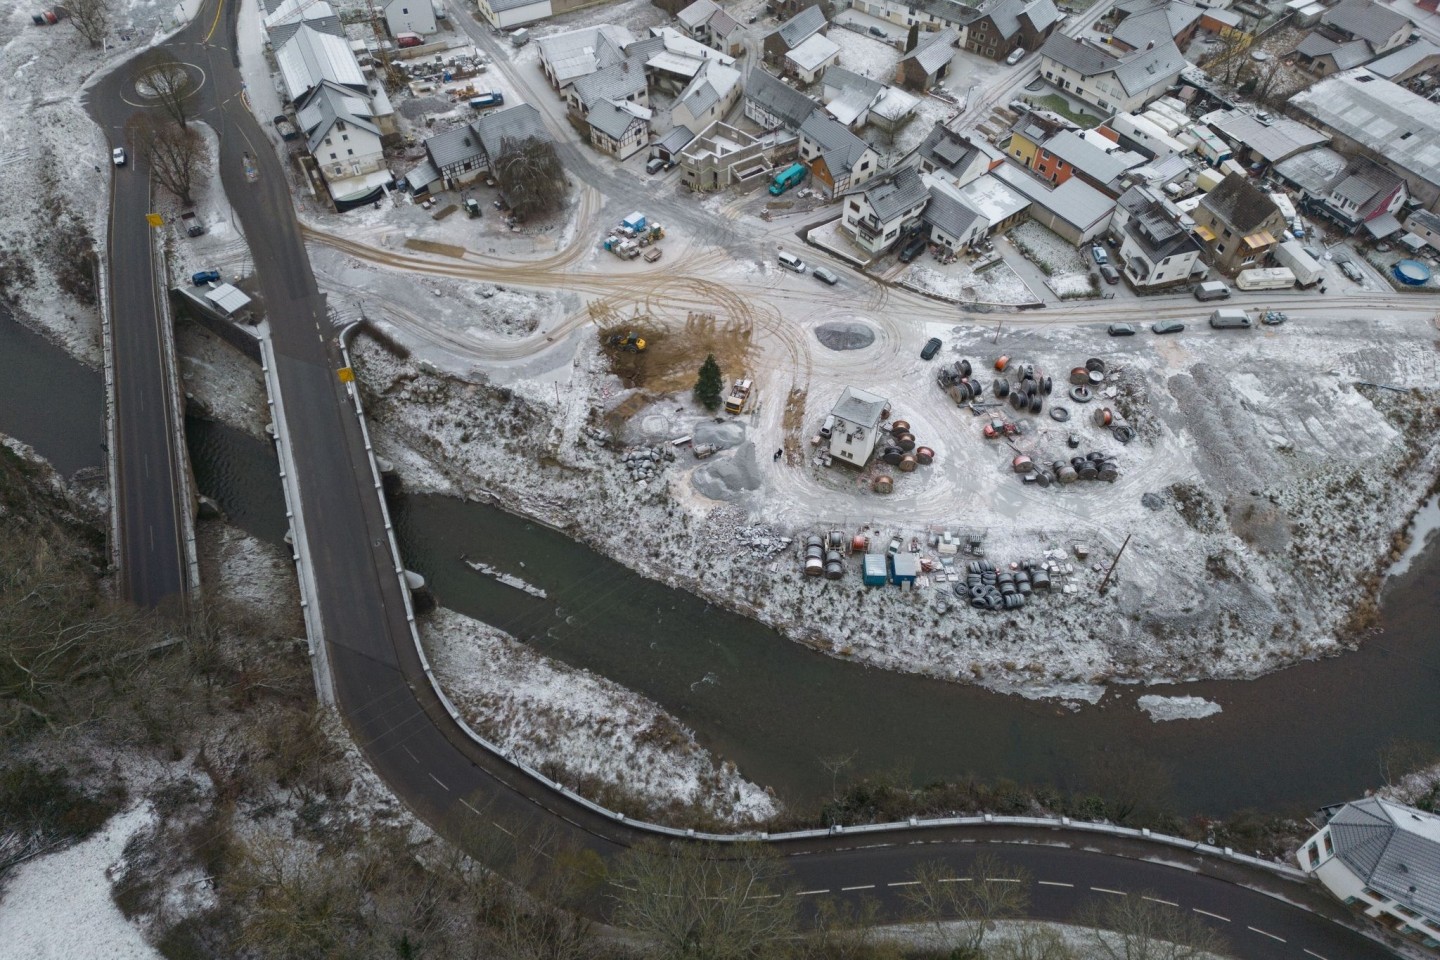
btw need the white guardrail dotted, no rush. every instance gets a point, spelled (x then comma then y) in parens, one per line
(181, 449)
(914, 823)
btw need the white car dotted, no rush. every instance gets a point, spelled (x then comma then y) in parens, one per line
(118, 156)
(1015, 57)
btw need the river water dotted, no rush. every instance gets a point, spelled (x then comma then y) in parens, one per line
(1287, 742)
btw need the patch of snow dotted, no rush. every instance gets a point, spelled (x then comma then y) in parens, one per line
(1177, 708)
(995, 284)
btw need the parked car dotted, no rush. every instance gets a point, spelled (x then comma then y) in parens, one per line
(791, 262)
(1015, 57)
(118, 156)
(825, 275)
(1111, 275)
(654, 165)
(1098, 252)
(932, 347)
(1120, 330)
(877, 32)
(1348, 268)
(1166, 326)
(205, 276)
(913, 248)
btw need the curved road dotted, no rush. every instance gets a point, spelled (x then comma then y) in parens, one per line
(401, 725)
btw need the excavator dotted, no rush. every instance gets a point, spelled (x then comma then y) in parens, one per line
(629, 343)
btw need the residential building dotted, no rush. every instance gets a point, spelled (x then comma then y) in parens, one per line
(1426, 226)
(1381, 28)
(996, 201)
(672, 60)
(953, 223)
(506, 14)
(1239, 224)
(1074, 210)
(1031, 129)
(848, 96)
(929, 63)
(410, 16)
(1383, 858)
(722, 157)
(1364, 195)
(708, 98)
(1407, 62)
(566, 57)
(811, 59)
(1109, 83)
(894, 108)
(281, 23)
(504, 131)
(1156, 251)
(793, 32)
(838, 159)
(774, 104)
(1143, 22)
(1380, 120)
(856, 433)
(623, 82)
(931, 15)
(885, 209)
(705, 21)
(1263, 139)
(619, 128)
(955, 157)
(1003, 26)
(343, 138)
(1073, 154)
(1322, 55)
(1310, 173)
(456, 155)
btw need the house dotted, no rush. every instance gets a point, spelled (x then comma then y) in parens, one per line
(1408, 62)
(311, 57)
(705, 21)
(954, 156)
(505, 14)
(1264, 139)
(879, 213)
(894, 108)
(838, 160)
(953, 224)
(856, 433)
(1381, 28)
(1310, 173)
(1239, 224)
(281, 23)
(1156, 251)
(623, 82)
(996, 201)
(848, 96)
(1074, 210)
(1323, 55)
(1364, 194)
(773, 104)
(722, 156)
(930, 15)
(672, 60)
(343, 138)
(812, 58)
(619, 128)
(1004, 26)
(566, 57)
(929, 63)
(1143, 22)
(1110, 83)
(1031, 129)
(1382, 121)
(668, 147)
(708, 97)
(1070, 154)
(410, 16)
(1426, 226)
(456, 155)
(1382, 858)
(793, 32)
(505, 131)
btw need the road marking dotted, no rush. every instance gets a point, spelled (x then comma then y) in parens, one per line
(810, 893)
(868, 886)
(412, 756)
(1209, 914)
(1004, 880)
(1264, 934)
(438, 780)
(1167, 903)
(1054, 883)
(766, 896)
(470, 808)
(1313, 954)
(1118, 893)
(500, 828)
(955, 880)
(904, 883)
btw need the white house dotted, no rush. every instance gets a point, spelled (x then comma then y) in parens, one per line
(566, 57)
(342, 136)
(410, 16)
(954, 224)
(811, 58)
(1111, 84)
(856, 432)
(877, 214)
(1156, 251)
(838, 160)
(618, 127)
(504, 14)
(1382, 858)
(708, 97)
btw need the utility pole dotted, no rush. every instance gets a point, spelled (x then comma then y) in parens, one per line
(1104, 584)
(998, 324)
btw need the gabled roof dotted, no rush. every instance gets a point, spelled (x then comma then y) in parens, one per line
(1311, 171)
(1163, 21)
(311, 57)
(676, 140)
(722, 24)
(1398, 61)
(286, 18)
(1088, 158)
(1423, 220)
(895, 105)
(935, 52)
(1006, 14)
(848, 94)
(1364, 19)
(1041, 14)
(860, 407)
(1138, 71)
(946, 213)
(1239, 204)
(778, 99)
(708, 89)
(1273, 139)
(946, 148)
(840, 148)
(1315, 44)
(1074, 201)
(520, 123)
(813, 52)
(1366, 184)
(578, 53)
(1394, 849)
(698, 13)
(456, 145)
(609, 118)
(1399, 126)
(328, 103)
(891, 196)
(616, 82)
(801, 27)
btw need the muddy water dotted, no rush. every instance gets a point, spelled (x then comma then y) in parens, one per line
(1291, 741)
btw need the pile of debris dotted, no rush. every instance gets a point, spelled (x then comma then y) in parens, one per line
(645, 462)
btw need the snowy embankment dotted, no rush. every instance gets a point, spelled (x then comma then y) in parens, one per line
(575, 725)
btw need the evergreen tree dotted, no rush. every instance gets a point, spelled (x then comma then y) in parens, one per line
(709, 384)
(913, 38)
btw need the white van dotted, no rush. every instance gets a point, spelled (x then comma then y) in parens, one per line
(791, 262)
(1212, 290)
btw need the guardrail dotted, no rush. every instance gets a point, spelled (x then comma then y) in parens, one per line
(914, 823)
(112, 458)
(181, 450)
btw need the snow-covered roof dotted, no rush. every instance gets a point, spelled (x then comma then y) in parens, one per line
(1164, 20)
(616, 82)
(992, 198)
(578, 53)
(777, 98)
(698, 13)
(891, 196)
(800, 27)
(328, 103)
(1138, 71)
(1074, 201)
(935, 52)
(895, 104)
(611, 119)
(813, 53)
(840, 148)
(709, 88)
(287, 17)
(518, 123)
(227, 298)
(1364, 19)
(1400, 126)
(1311, 171)
(1273, 139)
(860, 407)
(1393, 64)
(1394, 849)
(310, 57)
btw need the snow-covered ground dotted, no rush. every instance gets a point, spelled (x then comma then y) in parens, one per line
(1178, 708)
(993, 284)
(572, 723)
(1067, 272)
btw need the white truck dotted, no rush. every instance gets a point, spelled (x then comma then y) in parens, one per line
(1273, 278)
(1292, 255)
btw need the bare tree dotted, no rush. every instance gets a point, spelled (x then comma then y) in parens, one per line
(1230, 57)
(1136, 928)
(961, 909)
(169, 82)
(1032, 941)
(177, 155)
(841, 931)
(530, 174)
(696, 902)
(91, 19)
(833, 764)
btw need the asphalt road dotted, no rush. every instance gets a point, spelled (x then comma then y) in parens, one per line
(148, 492)
(403, 730)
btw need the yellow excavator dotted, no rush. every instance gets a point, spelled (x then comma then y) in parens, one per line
(631, 342)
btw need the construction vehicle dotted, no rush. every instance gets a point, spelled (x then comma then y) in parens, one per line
(629, 343)
(739, 395)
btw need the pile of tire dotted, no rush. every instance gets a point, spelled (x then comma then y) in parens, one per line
(989, 589)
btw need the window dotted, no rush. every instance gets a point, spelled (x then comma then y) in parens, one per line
(345, 136)
(1228, 234)
(349, 153)
(340, 125)
(1165, 261)
(854, 206)
(332, 156)
(1219, 248)
(891, 235)
(1160, 275)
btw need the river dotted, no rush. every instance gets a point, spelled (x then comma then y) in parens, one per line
(1288, 742)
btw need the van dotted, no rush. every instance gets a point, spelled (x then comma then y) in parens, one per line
(1230, 320)
(1211, 290)
(791, 262)
(404, 40)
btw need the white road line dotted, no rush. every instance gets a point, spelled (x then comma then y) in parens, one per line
(868, 886)
(1167, 903)
(904, 883)
(1313, 954)
(766, 896)
(810, 893)
(1004, 880)
(1264, 934)
(1054, 883)
(504, 831)
(438, 780)
(1118, 893)
(955, 880)
(409, 754)
(468, 807)
(1207, 913)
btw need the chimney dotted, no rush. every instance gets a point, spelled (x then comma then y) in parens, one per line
(1150, 45)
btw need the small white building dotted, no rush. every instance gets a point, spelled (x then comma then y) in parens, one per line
(811, 59)
(410, 16)
(708, 97)
(1382, 858)
(856, 433)
(878, 213)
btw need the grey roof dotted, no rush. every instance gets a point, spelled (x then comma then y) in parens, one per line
(1366, 20)
(1006, 14)
(310, 57)
(934, 52)
(709, 87)
(946, 149)
(1157, 231)
(1074, 201)
(1364, 182)
(1164, 20)
(1084, 58)
(801, 27)
(330, 102)
(1385, 225)
(1273, 140)
(893, 195)
(610, 119)
(521, 122)
(1089, 159)
(1351, 54)
(949, 215)
(1394, 849)
(848, 80)
(1423, 220)
(1315, 44)
(841, 149)
(422, 175)
(1399, 126)
(676, 140)
(618, 81)
(1398, 61)
(698, 13)
(1041, 14)
(576, 53)
(456, 145)
(722, 24)
(1138, 71)
(500, 6)
(1311, 171)
(286, 16)
(777, 98)
(1239, 204)
(860, 407)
